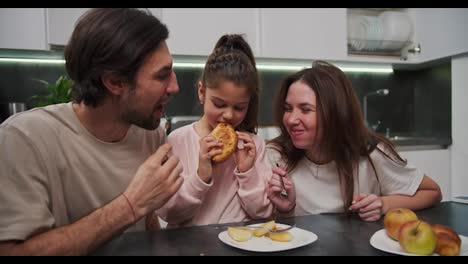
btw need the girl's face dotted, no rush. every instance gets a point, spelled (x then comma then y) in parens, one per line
(300, 116)
(228, 103)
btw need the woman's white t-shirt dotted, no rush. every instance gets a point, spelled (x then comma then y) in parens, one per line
(318, 186)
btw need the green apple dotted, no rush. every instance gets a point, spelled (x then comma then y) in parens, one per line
(417, 237)
(395, 218)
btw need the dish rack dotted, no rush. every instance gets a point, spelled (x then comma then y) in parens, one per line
(378, 47)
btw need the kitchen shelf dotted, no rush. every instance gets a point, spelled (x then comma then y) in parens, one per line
(378, 47)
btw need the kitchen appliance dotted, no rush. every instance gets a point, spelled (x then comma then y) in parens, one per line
(11, 108)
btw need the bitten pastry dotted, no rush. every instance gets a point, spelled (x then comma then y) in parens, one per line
(228, 137)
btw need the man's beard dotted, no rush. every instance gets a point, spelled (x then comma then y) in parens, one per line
(146, 122)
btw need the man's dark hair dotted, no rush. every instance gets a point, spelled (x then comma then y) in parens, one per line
(110, 40)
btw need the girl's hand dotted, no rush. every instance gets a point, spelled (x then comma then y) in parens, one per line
(283, 204)
(246, 154)
(209, 147)
(369, 207)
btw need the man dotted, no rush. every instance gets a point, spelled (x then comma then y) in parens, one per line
(75, 175)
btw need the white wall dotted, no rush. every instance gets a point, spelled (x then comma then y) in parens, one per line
(435, 164)
(460, 125)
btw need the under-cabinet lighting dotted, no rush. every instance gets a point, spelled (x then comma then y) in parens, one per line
(199, 65)
(376, 69)
(46, 61)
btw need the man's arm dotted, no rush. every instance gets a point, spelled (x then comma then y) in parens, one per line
(79, 238)
(155, 182)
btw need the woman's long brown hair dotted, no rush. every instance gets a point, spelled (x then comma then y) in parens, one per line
(344, 137)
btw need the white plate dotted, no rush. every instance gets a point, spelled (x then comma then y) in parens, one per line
(301, 238)
(380, 240)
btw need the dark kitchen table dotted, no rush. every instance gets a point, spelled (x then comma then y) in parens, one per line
(337, 235)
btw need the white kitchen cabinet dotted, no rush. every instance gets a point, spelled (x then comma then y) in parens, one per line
(194, 31)
(440, 31)
(22, 28)
(303, 33)
(434, 163)
(459, 148)
(61, 22)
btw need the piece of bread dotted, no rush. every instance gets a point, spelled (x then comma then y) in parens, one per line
(228, 137)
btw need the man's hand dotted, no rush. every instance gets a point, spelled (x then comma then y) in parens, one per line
(155, 182)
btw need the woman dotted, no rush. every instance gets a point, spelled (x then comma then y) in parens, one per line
(330, 160)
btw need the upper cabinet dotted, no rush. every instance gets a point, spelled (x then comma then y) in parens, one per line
(61, 22)
(406, 35)
(441, 32)
(288, 33)
(305, 33)
(195, 31)
(22, 28)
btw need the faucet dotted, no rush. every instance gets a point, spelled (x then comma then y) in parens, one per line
(380, 92)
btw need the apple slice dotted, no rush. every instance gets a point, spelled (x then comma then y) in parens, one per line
(263, 230)
(282, 237)
(240, 234)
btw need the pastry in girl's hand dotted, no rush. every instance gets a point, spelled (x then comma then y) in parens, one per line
(226, 134)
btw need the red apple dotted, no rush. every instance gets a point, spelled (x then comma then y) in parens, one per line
(395, 218)
(417, 237)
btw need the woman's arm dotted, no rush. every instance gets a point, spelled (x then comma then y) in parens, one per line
(427, 195)
(371, 207)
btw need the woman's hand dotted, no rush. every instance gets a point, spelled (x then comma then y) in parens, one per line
(283, 203)
(209, 147)
(369, 206)
(246, 153)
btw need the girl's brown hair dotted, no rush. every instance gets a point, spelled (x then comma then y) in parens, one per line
(345, 138)
(232, 60)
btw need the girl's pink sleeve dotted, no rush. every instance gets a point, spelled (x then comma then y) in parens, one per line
(185, 203)
(253, 185)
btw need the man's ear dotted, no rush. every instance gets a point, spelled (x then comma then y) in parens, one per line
(114, 83)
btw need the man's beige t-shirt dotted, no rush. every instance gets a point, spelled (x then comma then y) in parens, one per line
(54, 172)
(318, 186)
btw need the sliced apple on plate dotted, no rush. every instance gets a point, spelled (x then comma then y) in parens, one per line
(263, 229)
(281, 237)
(240, 234)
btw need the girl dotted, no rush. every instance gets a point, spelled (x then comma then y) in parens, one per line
(335, 162)
(234, 190)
